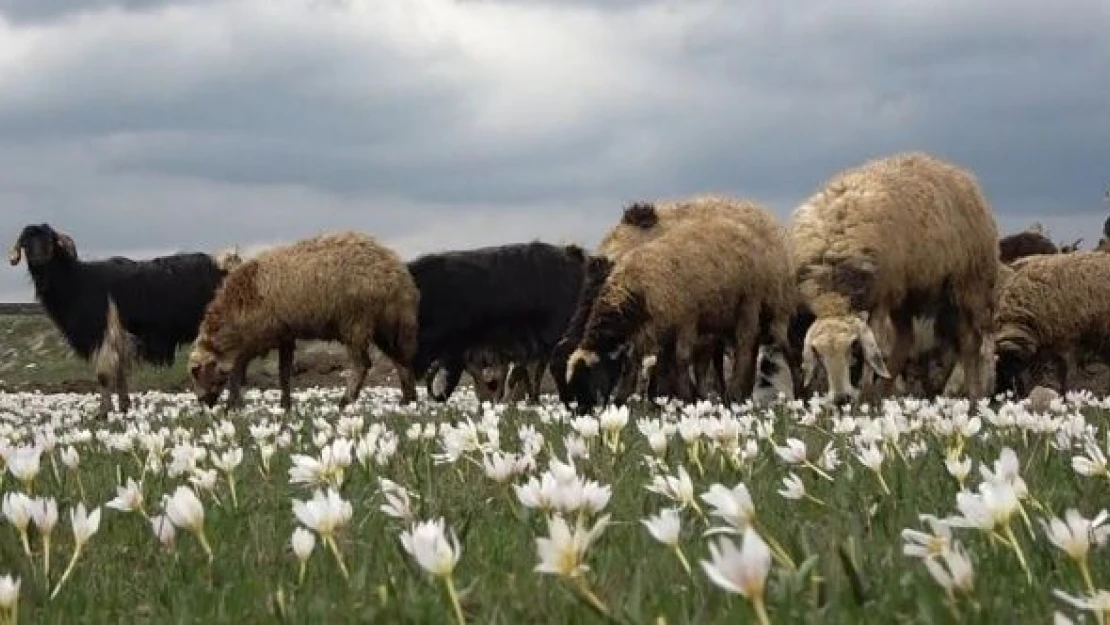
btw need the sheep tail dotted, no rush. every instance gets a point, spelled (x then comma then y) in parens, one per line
(113, 358)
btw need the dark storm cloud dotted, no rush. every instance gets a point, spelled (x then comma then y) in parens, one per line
(437, 123)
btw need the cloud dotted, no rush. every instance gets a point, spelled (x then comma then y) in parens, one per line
(435, 124)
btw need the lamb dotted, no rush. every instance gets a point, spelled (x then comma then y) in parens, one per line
(511, 299)
(112, 311)
(712, 277)
(1051, 308)
(342, 286)
(900, 237)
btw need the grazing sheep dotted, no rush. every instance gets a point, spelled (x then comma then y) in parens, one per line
(111, 311)
(710, 277)
(513, 299)
(1051, 308)
(895, 238)
(640, 223)
(343, 287)
(1026, 243)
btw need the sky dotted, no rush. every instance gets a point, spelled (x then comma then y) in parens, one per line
(147, 127)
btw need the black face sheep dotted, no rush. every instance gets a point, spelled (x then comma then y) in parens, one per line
(512, 299)
(343, 287)
(110, 311)
(711, 277)
(1052, 307)
(645, 221)
(1025, 243)
(904, 236)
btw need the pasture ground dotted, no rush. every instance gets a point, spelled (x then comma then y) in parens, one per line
(845, 544)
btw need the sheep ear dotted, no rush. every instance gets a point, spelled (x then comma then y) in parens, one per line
(809, 366)
(65, 242)
(872, 354)
(16, 254)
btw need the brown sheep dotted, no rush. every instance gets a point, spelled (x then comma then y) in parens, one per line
(1052, 307)
(711, 277)
(643, 222)
(898, 237)
(341, 287)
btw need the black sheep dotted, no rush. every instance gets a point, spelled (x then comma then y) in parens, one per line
(512, 299)
(112, 310)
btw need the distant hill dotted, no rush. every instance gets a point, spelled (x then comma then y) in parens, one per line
(29, 308)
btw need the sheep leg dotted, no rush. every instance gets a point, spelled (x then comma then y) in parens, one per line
(538, 370)
(901, 344)
(746, 346)
(481, 390)
(235, 383)
(122, 392)
(285, 373)
(970, 340)
(1063, 365)
(359, 354)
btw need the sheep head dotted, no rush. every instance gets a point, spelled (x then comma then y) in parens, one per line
(210, 369)
(42, 244)
(837, 343)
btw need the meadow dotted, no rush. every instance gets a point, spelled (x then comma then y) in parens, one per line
(511, 514)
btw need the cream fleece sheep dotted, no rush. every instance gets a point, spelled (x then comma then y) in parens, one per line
(903, 236)
(342, 287)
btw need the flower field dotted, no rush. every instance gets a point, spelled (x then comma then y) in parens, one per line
(909, 512)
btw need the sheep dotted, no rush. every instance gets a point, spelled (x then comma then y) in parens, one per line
(894, 238)
(1050, 308)
(642, 222)
(341, 286)
(511, 299)
(112, 311)
(1025, 243)
(710, 277)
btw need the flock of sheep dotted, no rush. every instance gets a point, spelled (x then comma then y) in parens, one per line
(890, 278)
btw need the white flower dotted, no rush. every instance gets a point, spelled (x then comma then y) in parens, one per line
(163, 529)
(734, 505)
(613, 418)
(427, 543)
(959, 574)
(229, 460)
(185, 510)
(324, 513)
(957, 468)
(18, 508)
(499, 466)
(1074, 534)
(921, 545)
(1099, 602)
(742, 571)
(793, 453)
(70, 458)
(658, 442)
(665, 527)
(564, 553)
(129, 498)
(44, 512)
(303, 543)
(793, 487)
(398, 500)
(871, 457)
(680, 488)
(84, 525)
(23, 463)
(9, 592)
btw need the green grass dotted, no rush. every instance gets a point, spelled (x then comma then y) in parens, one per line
(853, 571)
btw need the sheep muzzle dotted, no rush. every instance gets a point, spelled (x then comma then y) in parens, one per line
(15, 254)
